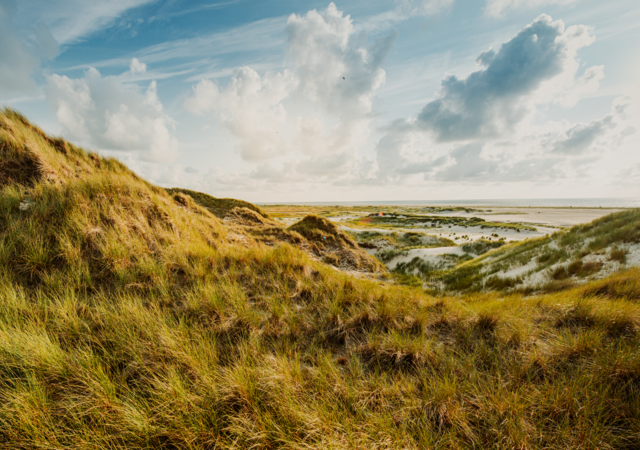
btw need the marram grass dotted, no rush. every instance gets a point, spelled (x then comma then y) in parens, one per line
(129, 319)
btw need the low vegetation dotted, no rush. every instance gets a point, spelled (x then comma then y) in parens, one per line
(481, 246)
(552, 263)
(400, 240)
(218, 206)
(135, 318)
(396, 220)
(342, 210)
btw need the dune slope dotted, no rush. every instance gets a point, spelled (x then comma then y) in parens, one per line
(134, 318)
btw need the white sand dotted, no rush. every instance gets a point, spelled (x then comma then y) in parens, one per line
(545, 220)
(554, 217)
(427, 254)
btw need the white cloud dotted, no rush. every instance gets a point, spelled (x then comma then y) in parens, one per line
(498, 8)
(72, 20)
(336, 69)
(596, 135)
(106, 114)
(480, 129)
(321, 105)
(538, 65)
(404, 9)
(250, 108)
(136, 67)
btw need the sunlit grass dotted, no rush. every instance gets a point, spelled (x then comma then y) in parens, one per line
(133, 319)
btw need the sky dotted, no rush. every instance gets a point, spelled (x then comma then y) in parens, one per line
(361, 100)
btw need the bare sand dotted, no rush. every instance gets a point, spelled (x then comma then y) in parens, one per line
(544, 220)
(553, 217)
(427, 254)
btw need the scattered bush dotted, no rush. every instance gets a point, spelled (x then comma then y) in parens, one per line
(481, 246)
(618, 254)
(387, 255)
(576, 268)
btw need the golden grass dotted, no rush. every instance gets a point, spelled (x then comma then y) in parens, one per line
(133, 319)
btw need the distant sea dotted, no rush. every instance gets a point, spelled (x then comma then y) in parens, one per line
(630, 202)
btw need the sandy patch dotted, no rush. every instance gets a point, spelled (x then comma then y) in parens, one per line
(427, 254)
(554, 217)
(518, 271)
(476, 233)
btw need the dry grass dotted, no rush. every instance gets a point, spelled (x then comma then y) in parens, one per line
(135, 319)
(220, 207)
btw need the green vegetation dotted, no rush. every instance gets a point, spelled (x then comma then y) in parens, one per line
(423, 221)
(399, 240)
(134, 318)
(387, 255)
(332, 245)
(562, 259)
(339, 210)
(482, 246)
(218, 206)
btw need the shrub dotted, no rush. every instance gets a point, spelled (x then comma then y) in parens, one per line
(481, 247)
(618, 254)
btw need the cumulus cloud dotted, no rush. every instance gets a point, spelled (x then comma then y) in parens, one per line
(469, 165)
(339, 73)
(580, 138)
(481, 128)
(104, 113)
(484, 162)
(335, 70)
(492, 101)
(136, 67)
(250, 107)
(498, 8)
(328, 90)
(400, 153)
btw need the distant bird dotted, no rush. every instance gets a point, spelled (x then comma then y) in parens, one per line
(343, 78)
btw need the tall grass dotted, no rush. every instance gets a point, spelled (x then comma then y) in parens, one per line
(131, 319)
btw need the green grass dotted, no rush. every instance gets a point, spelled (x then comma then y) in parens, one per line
(482, 246)
(394, 244)
(563, 257)
(403, 220)
(135, 319)
(218, 206)
(400, 240)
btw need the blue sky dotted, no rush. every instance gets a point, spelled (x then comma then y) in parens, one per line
(361, 100)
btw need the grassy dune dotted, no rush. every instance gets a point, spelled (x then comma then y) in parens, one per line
(562, 260)
(132, 318)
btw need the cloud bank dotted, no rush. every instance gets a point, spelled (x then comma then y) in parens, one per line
(492, 101)
(319, 108)
(104, 113)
